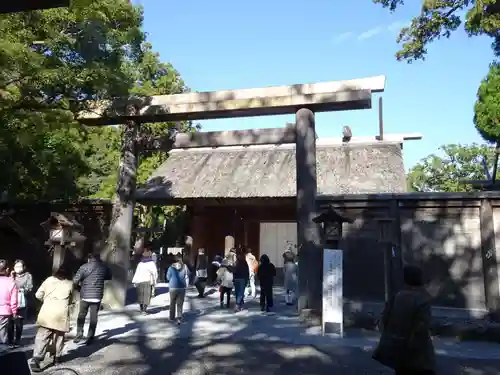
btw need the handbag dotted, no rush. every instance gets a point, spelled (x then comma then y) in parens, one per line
(201, 273)
(392, 350)
(21, 299)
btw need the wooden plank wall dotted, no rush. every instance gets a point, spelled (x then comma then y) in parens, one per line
(453, 238)
(448, 238)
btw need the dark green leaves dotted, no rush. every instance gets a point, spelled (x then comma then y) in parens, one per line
(440, 18)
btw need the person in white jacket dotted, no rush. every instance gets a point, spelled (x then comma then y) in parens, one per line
(253, 265)
(144, 280)
(290, 269)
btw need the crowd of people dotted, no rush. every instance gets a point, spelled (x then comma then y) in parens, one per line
(405, 344)
(56, 296)
(236, 274)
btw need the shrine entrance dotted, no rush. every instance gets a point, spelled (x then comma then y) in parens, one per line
(302, 99)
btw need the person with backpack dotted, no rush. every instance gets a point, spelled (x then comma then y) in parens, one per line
(253, 265)
(225, 278)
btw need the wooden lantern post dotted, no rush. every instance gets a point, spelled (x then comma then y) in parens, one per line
(64, 234)
(332, 221)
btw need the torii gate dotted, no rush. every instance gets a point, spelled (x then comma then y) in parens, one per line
(302, 99)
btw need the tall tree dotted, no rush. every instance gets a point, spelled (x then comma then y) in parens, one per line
(51, 62)
(151, 77)
(440, 18)
(487, 107)
(445, 172)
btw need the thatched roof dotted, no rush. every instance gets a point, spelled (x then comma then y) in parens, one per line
(269, 171)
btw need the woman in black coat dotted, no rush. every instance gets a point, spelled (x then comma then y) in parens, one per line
(266, 274)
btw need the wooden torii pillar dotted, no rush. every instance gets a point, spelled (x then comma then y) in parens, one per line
(303, 100)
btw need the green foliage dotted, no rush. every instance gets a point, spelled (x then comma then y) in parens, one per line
(444, 172)
(487, 107)
(440, 18)
(151, 77)
(51, 62)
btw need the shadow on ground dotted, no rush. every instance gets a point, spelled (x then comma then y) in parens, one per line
(218, 341)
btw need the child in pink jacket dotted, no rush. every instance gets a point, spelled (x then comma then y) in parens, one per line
(8, 301)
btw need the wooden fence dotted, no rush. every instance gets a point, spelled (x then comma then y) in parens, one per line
(452, 237)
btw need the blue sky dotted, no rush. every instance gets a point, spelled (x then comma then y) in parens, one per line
(222, 44)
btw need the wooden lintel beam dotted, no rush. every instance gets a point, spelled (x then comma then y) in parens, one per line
(224, 138)
(236, 138)
(279, 100)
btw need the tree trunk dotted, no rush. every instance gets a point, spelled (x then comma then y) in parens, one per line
(119, 247)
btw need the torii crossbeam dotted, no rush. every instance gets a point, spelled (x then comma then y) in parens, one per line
(301, 99)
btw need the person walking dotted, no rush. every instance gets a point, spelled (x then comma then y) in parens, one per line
(253, 265)
(144, 280)
(8, 301)
(214, 268)
(405, 344)
(225, 278)
(24, 284)
(241, 274)
(290, 277)
(201, 272)
(266, 274)
(90, 279)
(178, 281)
(56, 295)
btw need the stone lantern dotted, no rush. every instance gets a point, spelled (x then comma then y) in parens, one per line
(65, 234)
(331, 221)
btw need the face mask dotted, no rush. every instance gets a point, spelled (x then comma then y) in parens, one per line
(18, 269)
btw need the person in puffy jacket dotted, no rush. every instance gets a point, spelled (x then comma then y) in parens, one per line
(8, 301)
(266, 273)
(178, 281)
(90, 279)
